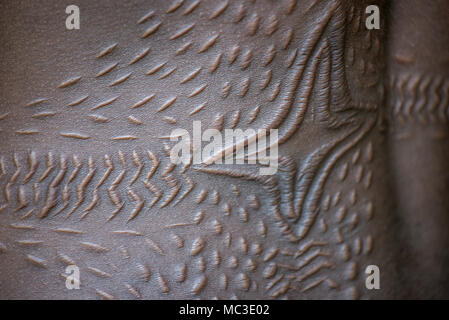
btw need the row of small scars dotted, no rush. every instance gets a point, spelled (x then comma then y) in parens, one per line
(95, 118)
(51, 194)
(173, 184)
(145, 270)
(132, 119)
(98, 272)
(98, 118)
(208, 43)
(114, 196)
(419, 98)
(63, 257)
(245, 86)
(109, 68)
(168, 103)
(95, 247)
(219, 9)
(89, 245)
(181, 32)
(173, 7)
(204, 47)
(273, 25)
(46, 114)
(271, 270)
(197, 245)
(73, 81)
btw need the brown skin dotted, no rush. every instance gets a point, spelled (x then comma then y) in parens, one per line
(86, 179)
(417, 44)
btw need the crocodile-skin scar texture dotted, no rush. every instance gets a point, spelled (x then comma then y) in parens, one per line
(86, 178)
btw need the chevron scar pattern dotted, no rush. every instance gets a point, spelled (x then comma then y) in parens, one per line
(107, 198)
(419, 98)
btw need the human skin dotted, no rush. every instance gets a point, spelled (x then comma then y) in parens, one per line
(86, 176)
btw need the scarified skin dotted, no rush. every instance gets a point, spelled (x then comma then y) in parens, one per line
(85, 171)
